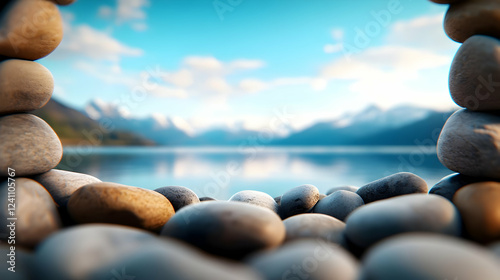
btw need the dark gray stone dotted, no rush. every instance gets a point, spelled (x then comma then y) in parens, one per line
(339, 204)
(449, 185)
(256, 198)
(394, 185)
(298, 200)
(410, 213)
(206, 198)
(429, 256)
(314, 226)
(179, 196)
(226, 228)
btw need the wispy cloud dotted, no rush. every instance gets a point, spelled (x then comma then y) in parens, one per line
(127, 12)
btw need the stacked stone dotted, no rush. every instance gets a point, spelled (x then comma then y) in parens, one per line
(470, 140)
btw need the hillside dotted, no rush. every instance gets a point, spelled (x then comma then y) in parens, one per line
(74, 128)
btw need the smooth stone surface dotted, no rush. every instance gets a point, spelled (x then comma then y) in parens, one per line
(298, 200)
(306, 259)
(28, 145)
(278, 200)
(256, 198)
(206, 198)
(314, 226)
(62, 184)
(427, 256)
(179, 196)
(75, 253)
(495, 248)
(24, 86)
(468, 144)
(394, 185)
(467, 18)
(410, 213)
(479, 205)
(339, 204)
(172, 260)
(22, 263)
(35, 211)
(30, 29)
(230, 229)
(119, 204)
(342, 188)
(449, 185)
(474, 74)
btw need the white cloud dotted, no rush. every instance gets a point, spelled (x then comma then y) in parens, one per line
(127, 11)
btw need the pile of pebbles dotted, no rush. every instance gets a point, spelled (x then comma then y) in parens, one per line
(74, 226)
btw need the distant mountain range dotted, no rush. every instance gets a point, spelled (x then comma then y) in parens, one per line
(403, 125)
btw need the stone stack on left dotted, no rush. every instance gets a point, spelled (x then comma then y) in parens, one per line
(29, 30)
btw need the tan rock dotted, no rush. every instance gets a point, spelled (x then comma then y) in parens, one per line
(24, 86)
(28, 145)
(30, 29)
(119, 204)
(479, 205)
(472, 17)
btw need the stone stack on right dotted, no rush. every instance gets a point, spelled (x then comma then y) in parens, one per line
(470, 140)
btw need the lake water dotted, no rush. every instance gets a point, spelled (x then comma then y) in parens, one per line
(221, 172)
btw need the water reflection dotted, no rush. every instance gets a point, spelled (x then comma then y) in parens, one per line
(222, 172)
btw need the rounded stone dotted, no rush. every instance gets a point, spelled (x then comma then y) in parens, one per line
(64, 2)
(77, 252)
(314, 226)
(35, 211)
(428, 256)
(230, 229)
(179, 196)
(468, 144)
(30, 29)
(306, 259)
(28, 145)
(339, 204)
(449, 185)
(24, 86)
(206, 198)
(298, 200)
(20, 260)
(342, 188)
(479, 205)
(256, 198)
(465, 19)
(474, 74)
(410, 213)
(278, 200)
(119, 204)
(62, 184)
(394, 185)
(170, 259)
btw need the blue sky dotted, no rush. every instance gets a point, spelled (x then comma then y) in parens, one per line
(237, 62)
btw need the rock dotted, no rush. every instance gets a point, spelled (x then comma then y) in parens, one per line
(28, 145)
(278, 200)
(321, 196)
(206, 198)
(449, 185)
(298, 200)
(178, 196)
(342, 188)
(230, 229)
(21, 261)
(479, 205)
(62, 184)
(64, 2)
(428, 256)
(306, 259)
(468, 144)
(119, 204)
(394, 185)
(314, 226)
(474, 72)
(77, 252)
(468, 18)
(35, 211)
(256, 198)
(410, 213)
(30, 29)
(24, 86)
(339, 204)
(170, 259)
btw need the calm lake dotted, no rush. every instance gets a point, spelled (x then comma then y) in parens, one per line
(221, 172)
